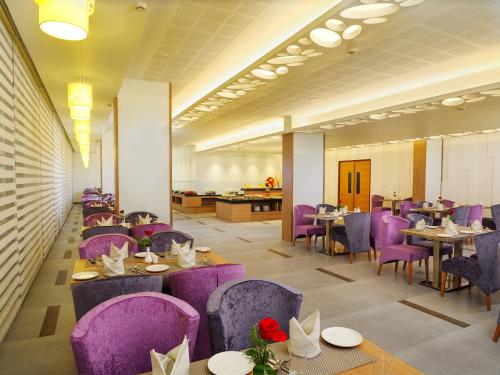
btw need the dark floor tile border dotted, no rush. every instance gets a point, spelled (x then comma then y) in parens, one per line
(74, 229)
(280, 253)
(336, 275)
(244, 239)
(435, 314)
(61, 277)
(75, 223)
(265, 222)
(68, 254)
(71, 240)
(50, 321)
(219, 230)
(201, 222)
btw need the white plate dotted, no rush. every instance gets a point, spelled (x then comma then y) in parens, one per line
(445, 235)
(202, 249)
(142, 254)
(342, 336)
(86, 275)
(467, 231)
(432, 226)
(157, 267)
(230, 363)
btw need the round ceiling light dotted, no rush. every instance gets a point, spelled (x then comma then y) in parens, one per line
(79, 113)
(241, 92)
(325, 38)
(352, 32)
(315, 54)
(305, 41)
(491, 92)
(229, 95)
(243, 80)
(452, 102)
(266, 66)
(241, 86)
(295, 64)
(394, 115)
(375, 21)
(410, 3)
(281, 70)
(327, 127)
(476, 99)
(203, 108)
(307, 52)
(335, 25)
(286, 59)
(377, 117)
(293, 49)
(264, 74)
(370, 11)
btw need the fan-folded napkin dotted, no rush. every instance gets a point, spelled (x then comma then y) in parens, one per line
(186, 256)
(305, 337)
(476, 226)
(451, 228)
(113, 267)
(175, 362)
(105, 222)
(445, 221)
(144, 220)
(322, 210)
(116, 252)
(421, 225)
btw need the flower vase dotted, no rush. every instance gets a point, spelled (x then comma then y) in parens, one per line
(149, 258)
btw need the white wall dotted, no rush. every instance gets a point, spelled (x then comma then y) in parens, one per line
(86, 177)
(391, 169)
(220, 171)
(108, 162)
(433, 156)
(143, 147)
(308, 157)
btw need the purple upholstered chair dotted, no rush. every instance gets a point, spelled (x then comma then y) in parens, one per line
(495, 213)
(133, 217)
(377, 225)
(475, 213)
(357, 234)
(89, 294)
(107, 229)
(91, 221)
(89, 211)
(116, 336)
(235, 306)
(446, 248)
(195, 286)
(139, 231)
(497, 331)
(395, 250)
(482, 270)
(95, 203)
(405, 208)
(304, 226)
(161, 241)
(377, 201)
(460, 215)
(447, 203)
(89, 247)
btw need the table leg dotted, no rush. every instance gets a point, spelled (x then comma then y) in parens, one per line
(328, 230)
(436, 264)
(394, 207)
(457, 252)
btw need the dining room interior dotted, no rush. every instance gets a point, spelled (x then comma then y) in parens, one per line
(250, 187)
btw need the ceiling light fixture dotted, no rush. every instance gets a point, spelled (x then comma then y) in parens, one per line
(452, 102)
(325, 38)
(352, 32)
(370, 11)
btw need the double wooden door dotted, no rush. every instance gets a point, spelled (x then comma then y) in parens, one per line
(354, 184)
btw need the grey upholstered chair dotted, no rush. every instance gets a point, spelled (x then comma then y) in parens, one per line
(446, 248)
(89, 294)
(461, 215)
(357, 234)
(133, 217)
(497, 331)
(161, 241)
(495, 213)
(482, 270)
(234, 307)
(106, 229)
(97, 210)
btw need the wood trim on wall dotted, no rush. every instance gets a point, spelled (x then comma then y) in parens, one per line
(100, 160)
(170, 151)
(419, 169)
(115, 154)
(287, 184)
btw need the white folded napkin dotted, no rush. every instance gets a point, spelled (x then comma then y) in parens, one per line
(113, 267)
(322, 210)
(115, 252)
(421, 225)
(304, 337)
(125, 224)
(425, 205)
(476, 226)
(440, 206)
(445, 221)
(344, 209)
(186, 256)
(144, 220)
(451, 228)
(174, 248)
(105, 222)
(357, 209)
(175, 362)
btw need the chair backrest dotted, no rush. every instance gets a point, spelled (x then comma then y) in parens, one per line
(89, 247)
(357, 227)
(89, 211)
(447, 203)
(299, 211)
(133, 217)
(139, 231)
(461, 215)
(161, 241)
(111, 229)
(392, 228)
(236, 306)
(377, 201)
(413, 219)
(116, 337)
(495, 213)
(378, 209)
(405, 208)
(488, 254)
(329, 207)
(89, 294)
(377, 225)
(475, 213)
(92, 220)
(95, 203)
(195, 287)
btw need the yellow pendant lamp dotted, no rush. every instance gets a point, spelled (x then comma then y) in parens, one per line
(80, 100)
(82, 127)
(65, 19)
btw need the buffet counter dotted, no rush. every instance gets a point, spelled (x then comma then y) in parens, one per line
(248, 208)
(193, 204)
(265, 192)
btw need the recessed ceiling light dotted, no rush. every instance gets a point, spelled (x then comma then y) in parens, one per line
(325, 38)
(377, 117)
(368, 1)
(266, 66)
(264, 74)
(327, 127)
(286, 59)
(410, 3)
(339, 126)
(239, 86)
(488, 131)
(281, 70)
(394, 115)
(293, 49)
(352, 32)
(241, 92)
(243, 80)
(370, 11)
(434, 137)
(335, 25)
(375, 21)
(307, 52)
(295, 64)
(476, 99)
(315, 54)
(490, 92)
(452, 102)
(229, 95)
(305, 41)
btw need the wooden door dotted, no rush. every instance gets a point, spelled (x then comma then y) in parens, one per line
(362, 172)
(346, 184)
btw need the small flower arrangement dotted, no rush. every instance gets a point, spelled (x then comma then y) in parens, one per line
(270, 182)
(145, 241)
(339, 205)
(267, 331)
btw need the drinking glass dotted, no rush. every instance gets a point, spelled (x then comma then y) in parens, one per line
(98, 257)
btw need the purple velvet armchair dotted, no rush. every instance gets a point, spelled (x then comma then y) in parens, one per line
(133, 217)
(304, 226)
(92, 220)
(117, 336)
(88, 211)
(357, 234)
(460, 215)
(447, 203)
(405, 208)
(195, 287)
(495, 213)
(107, 229)
(377, 201)
(139, 231)
(161, 241)
(475, 213)
(89, 247)
(396, 250)
(377, 228)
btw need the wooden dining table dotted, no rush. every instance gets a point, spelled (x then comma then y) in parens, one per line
(431, 211)
(329, 221)
(394, 203)
(435, 235)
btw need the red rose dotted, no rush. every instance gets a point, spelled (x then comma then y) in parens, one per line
(148, 233)
(268, 327)
(279, 336)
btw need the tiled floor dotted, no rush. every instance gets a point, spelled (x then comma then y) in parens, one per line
(384, 309)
